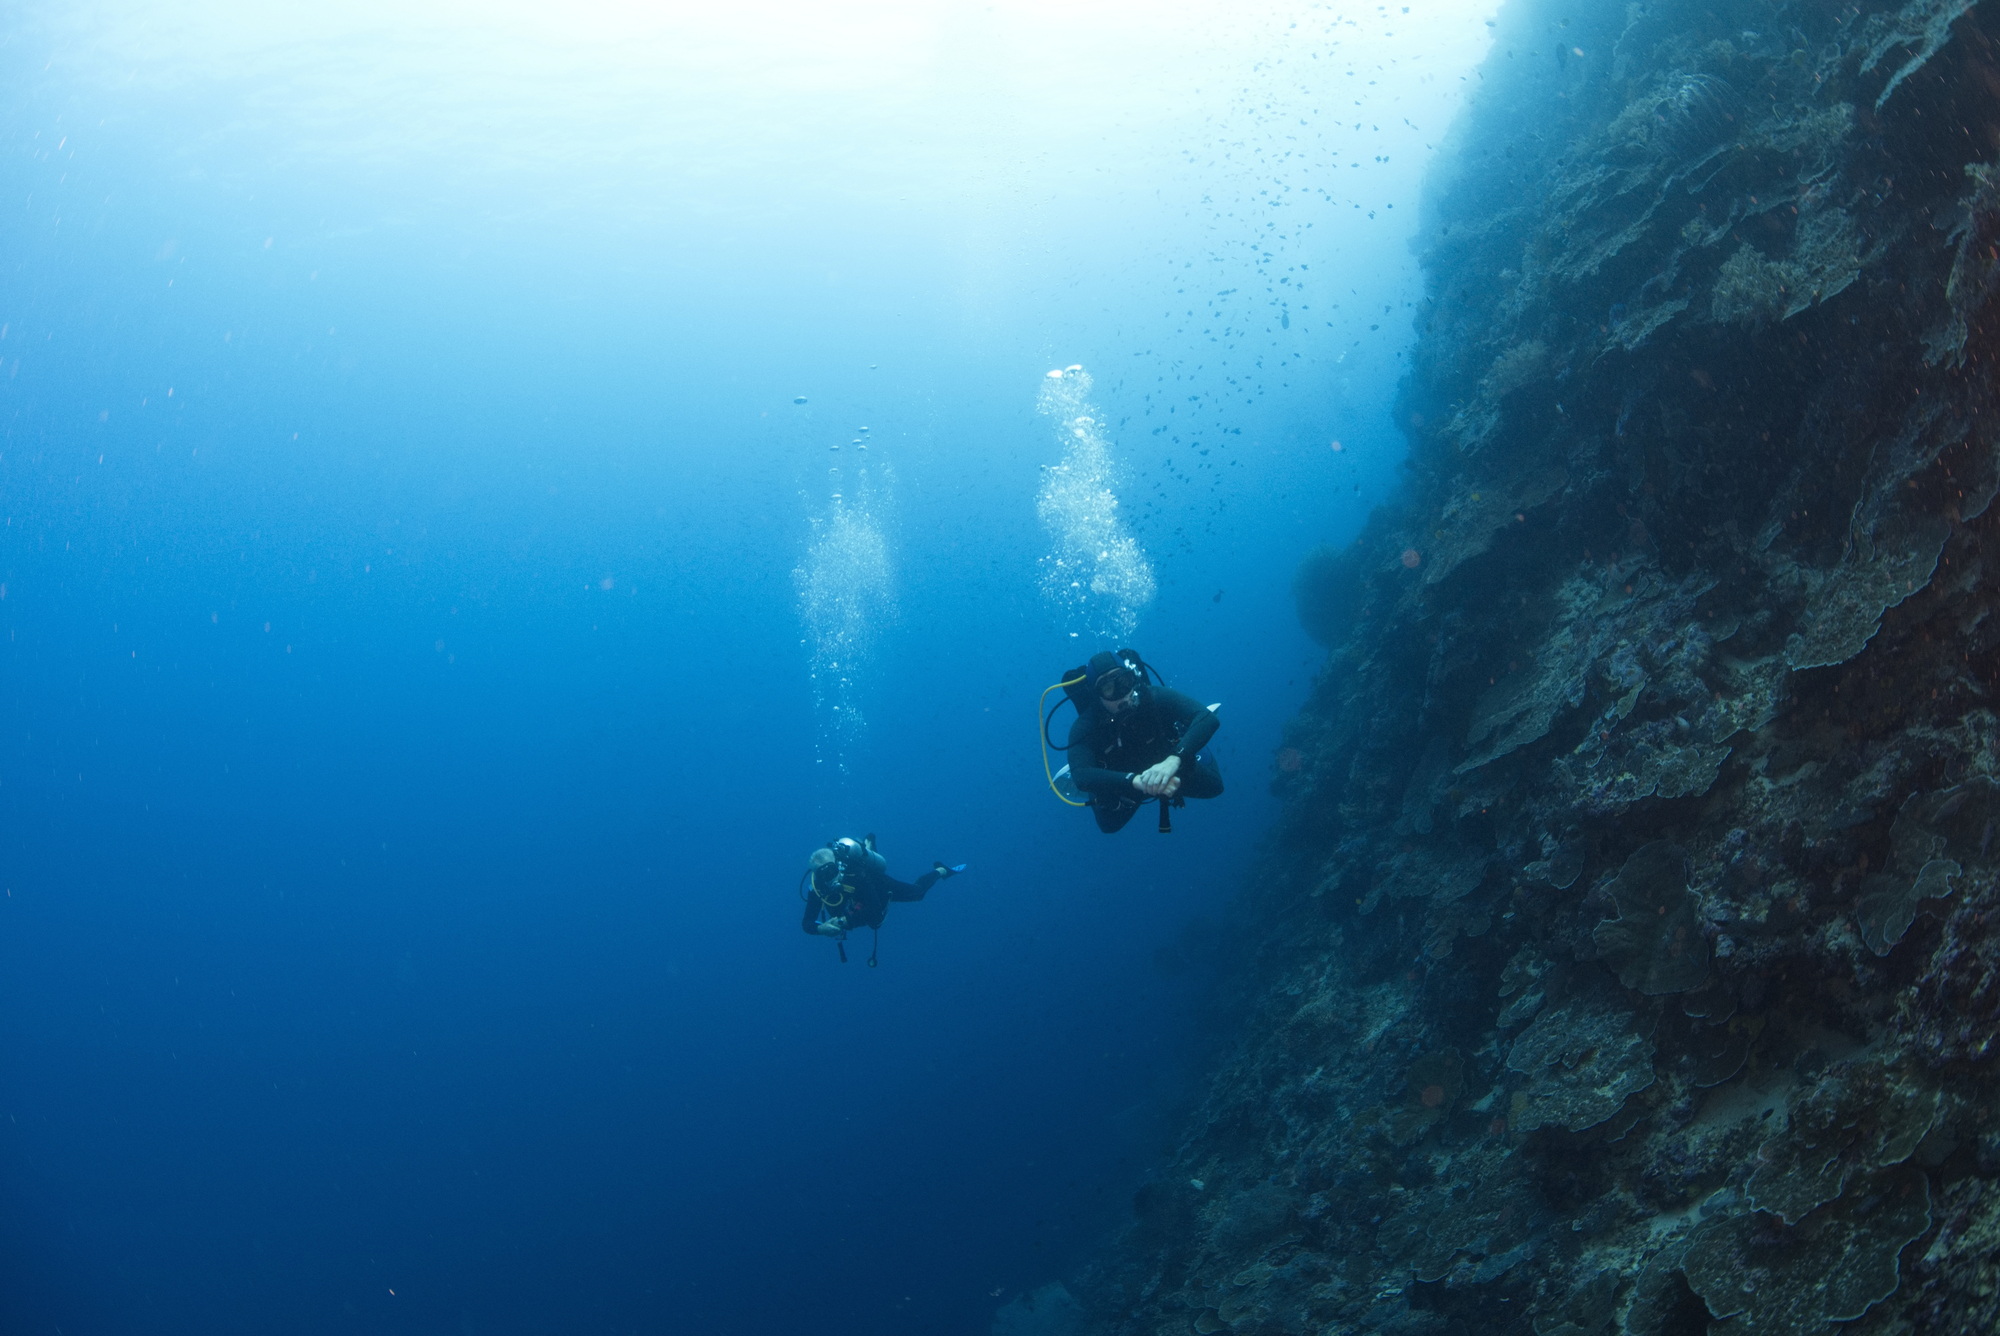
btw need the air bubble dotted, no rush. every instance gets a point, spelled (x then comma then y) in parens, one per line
(1095, 572)
(846, 592)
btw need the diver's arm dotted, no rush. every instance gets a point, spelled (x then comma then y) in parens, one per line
(1195, 722)
(1194, 725)
(1084, 771)
(810, 920)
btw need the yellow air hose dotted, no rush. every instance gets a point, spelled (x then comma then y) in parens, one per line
(1041, 733)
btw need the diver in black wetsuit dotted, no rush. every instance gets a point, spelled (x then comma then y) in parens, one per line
(1135, 741)
(847, 885)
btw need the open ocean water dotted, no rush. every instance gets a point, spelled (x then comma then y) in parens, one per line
(486, 490)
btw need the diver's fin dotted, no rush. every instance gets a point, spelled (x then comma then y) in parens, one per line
(1211, 709)
(952, 871)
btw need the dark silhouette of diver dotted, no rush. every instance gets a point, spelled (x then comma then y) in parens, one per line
(846, 885)
(1136, 739)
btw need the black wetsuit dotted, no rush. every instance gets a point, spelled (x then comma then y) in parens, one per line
(861, 894)
(1105, 751)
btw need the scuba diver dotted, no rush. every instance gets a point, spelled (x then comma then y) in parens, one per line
(847, 885)
(1134, 739)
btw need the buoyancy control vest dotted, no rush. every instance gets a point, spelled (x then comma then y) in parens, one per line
(1079, 687)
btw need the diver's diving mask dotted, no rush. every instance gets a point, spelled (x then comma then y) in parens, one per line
(1117, 684)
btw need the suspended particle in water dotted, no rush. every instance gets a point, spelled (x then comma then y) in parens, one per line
(1411, 558)
(1337, 448)
(799, 400)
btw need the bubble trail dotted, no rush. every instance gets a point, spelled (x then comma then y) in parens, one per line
(1096, 574)
(846, 594)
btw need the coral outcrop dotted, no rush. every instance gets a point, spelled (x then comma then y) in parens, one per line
(1628, 959)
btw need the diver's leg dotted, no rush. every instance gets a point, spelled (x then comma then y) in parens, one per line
(903, 890)
(1113, 813)
(1203, 779)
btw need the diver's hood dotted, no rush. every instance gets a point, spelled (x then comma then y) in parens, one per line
(1106, 664)
(1102, 662)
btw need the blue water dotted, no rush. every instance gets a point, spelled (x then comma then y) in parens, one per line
(407, 744)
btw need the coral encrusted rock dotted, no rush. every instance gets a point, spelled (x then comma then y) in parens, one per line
(1655, 944)
(1625, 960)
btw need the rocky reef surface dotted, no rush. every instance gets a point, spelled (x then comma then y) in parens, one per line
(1628, 957)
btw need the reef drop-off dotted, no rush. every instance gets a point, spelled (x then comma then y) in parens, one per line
(1626, 959)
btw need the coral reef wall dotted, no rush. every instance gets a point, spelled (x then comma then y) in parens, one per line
(1628, 958)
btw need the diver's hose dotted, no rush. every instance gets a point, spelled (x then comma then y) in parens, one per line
(1041, 732)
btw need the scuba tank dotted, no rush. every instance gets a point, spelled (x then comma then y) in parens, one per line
(852, 855)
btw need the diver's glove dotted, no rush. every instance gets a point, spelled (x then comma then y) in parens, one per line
(833, 927)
